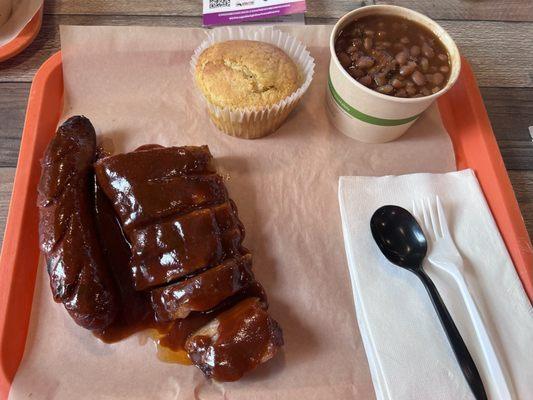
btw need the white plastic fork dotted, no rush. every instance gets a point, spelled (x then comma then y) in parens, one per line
(443, 254)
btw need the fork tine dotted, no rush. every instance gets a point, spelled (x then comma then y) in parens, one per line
(433, 217)
(442, 218)
(418, 215)
(415, 210)
(427, 222)
(423, 211)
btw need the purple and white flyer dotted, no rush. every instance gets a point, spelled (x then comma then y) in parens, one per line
(225, 12)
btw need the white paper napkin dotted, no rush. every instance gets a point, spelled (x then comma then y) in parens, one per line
(409, 355)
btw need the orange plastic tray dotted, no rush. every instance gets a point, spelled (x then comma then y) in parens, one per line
(24, 38)
(464, 116)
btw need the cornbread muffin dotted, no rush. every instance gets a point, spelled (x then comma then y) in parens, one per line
(246, 74)
(250, 87)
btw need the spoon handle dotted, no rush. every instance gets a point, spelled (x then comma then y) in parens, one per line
(458, 345)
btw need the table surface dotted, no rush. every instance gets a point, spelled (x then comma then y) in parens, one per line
(494, 35)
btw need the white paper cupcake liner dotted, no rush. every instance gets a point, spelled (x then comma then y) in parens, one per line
(252, 123)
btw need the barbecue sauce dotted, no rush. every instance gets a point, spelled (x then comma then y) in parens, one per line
(239, 301)
(136, 314)
(235, 342)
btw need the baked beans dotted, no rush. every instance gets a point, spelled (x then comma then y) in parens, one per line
(393, 56)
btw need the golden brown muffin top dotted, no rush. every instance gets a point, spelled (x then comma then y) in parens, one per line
(246, 74)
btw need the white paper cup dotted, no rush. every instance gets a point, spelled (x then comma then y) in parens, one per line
(5, 10)
(253, 123)
(366, 115)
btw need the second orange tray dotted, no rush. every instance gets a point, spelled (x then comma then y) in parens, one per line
(463, 114)
(24, 38)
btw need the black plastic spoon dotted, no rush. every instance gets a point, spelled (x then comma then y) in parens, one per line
(402, 241)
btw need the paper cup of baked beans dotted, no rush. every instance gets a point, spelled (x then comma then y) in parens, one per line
(388, 65)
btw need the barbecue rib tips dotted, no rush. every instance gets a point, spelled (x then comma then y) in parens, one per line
(181, 261)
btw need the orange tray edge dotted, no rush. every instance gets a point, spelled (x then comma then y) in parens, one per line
(463, 114)
(466, 120)
(20, 249)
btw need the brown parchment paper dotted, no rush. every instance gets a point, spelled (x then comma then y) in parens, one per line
(134, 84)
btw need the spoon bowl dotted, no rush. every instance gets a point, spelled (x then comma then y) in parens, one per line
(399, 237)
(402, 241)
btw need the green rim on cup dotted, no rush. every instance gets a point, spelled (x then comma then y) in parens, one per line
(365, 117)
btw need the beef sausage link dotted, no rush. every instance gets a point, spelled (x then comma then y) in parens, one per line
(79, 277)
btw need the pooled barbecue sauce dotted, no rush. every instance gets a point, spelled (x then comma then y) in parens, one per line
(136, 313)
(235, 342)
(216, 267)
(171, 344)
